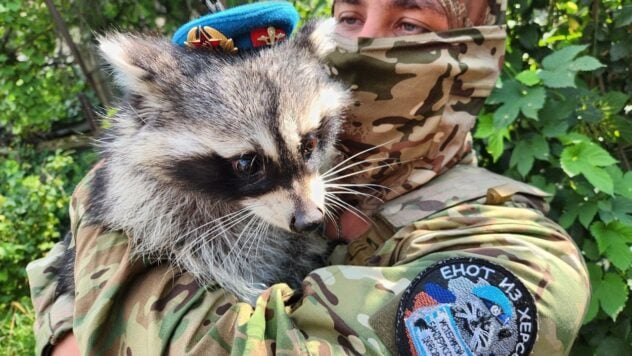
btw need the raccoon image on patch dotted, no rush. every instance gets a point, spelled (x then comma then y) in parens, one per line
(221, 164)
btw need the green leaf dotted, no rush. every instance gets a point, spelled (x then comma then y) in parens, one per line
(622, 209)
(622, 182)
(515, 98)
(484, 126)
(496, 143)
(573, 138)
(496, 138)
(600, 179)
(569, 216)
(613, 102)
(558, 79)
(586, 158)
(587, 213)
(612, 293)
(522, 157)
(590, 250)
(612, 241)
(596, 274)
(623, 17)
(560, 67)
(624, 185)
(562, 58)
(585, 64)
(624, 128)
(506, 115)
(528, 77)
(526, 151)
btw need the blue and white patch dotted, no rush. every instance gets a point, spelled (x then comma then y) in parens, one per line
(466, 306)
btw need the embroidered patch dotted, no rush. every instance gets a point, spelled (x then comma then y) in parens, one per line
(466, 306)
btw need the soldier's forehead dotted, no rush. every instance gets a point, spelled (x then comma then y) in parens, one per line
(405, 4)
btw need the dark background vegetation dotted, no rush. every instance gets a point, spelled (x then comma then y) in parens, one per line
(559, 119)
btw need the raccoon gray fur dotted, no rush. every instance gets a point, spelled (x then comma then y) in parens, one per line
(213, 162)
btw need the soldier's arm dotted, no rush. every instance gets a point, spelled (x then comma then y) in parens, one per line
(53, 314)
(125, 306)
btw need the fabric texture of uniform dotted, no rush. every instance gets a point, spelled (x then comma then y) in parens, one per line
(349, 307)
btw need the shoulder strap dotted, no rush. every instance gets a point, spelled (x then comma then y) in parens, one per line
(460, 184)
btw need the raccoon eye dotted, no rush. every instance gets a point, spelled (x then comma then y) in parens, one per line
(248, 166)
(308, 145)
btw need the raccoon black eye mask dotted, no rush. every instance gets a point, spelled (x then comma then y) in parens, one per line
(220, 164)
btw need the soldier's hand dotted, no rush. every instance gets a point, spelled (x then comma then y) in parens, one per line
(349, 227)
(68, 346)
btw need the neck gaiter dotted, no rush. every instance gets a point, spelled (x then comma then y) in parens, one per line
(416, 100)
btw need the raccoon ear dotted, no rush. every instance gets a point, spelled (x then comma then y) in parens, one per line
(139, 62)
(318, 37)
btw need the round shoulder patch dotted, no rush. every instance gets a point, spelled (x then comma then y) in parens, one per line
(466, 306)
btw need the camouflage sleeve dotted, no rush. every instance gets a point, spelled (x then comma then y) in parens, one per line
(534, 249)
(53, 316)
(123, 306)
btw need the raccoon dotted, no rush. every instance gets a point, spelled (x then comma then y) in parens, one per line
(215, 162)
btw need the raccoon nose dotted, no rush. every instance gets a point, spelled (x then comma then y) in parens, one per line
(306, 221)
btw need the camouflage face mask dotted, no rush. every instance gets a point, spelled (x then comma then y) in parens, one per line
(416, 100)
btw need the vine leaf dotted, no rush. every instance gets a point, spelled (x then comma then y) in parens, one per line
(612, 293)
(612, 240)
(560, 67)
(609, 291)
(495, 137)
(516, 98)
(526, 151)
(528, 78)
(587, 213)
(587, 158)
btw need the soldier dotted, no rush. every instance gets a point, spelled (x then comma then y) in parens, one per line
(457, 261)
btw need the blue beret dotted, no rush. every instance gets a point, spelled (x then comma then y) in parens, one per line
(244, 27)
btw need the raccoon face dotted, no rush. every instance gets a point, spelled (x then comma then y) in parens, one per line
(251, 131)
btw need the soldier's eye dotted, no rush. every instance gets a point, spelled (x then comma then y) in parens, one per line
(308, 145)
(249, 166)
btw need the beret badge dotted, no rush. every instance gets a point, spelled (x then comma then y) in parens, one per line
(208, 37)
(242, 29)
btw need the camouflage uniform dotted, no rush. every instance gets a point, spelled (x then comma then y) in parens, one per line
(440, 207)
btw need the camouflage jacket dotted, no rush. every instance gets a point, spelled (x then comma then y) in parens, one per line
(349, 307)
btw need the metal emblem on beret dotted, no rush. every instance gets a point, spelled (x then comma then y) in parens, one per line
(208, 37)
(269, 36)
(466, 306)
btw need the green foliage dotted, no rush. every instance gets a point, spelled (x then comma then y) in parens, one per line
(34, 200)
(16, 328)
(38, 84)
(560, 119)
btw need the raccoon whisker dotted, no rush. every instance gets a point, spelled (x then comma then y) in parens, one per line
(352, 192)
(360, 153)
(356, 173)
(236, 243)
(368, 185)
(232, 219)
(369, 169)
(257, 235)
(352, 187)
(265, 233)
(366, 161)
(218, 220)
(332, 217)
(203, 239)
(346, 206)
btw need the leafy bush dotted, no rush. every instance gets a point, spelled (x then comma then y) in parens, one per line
(560, 119)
